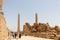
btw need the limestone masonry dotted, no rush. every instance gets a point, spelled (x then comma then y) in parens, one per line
(42, 30)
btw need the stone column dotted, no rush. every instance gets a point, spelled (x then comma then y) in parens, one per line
(18, 29)
(36, 16)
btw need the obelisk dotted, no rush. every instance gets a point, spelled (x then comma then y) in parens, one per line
(36, 16)
(18, 29)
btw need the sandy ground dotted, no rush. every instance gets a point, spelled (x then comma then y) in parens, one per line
(29, 38)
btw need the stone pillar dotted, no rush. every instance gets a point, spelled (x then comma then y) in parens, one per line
(36, 16)
(18, 29)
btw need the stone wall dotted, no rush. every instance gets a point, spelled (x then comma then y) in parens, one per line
(41, 30)
(3, 27)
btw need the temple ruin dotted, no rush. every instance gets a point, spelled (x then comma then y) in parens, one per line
(42, 30)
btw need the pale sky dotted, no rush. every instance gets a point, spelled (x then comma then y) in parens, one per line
(48, 11)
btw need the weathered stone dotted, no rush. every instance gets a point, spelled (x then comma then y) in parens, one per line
(3, 27)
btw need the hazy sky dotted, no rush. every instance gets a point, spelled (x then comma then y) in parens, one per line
(48, 11)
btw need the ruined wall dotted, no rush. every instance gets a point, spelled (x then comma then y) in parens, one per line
(41, 30)
(3, 27)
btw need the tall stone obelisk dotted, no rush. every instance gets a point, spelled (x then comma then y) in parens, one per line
(18, 29)
(36, 16)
